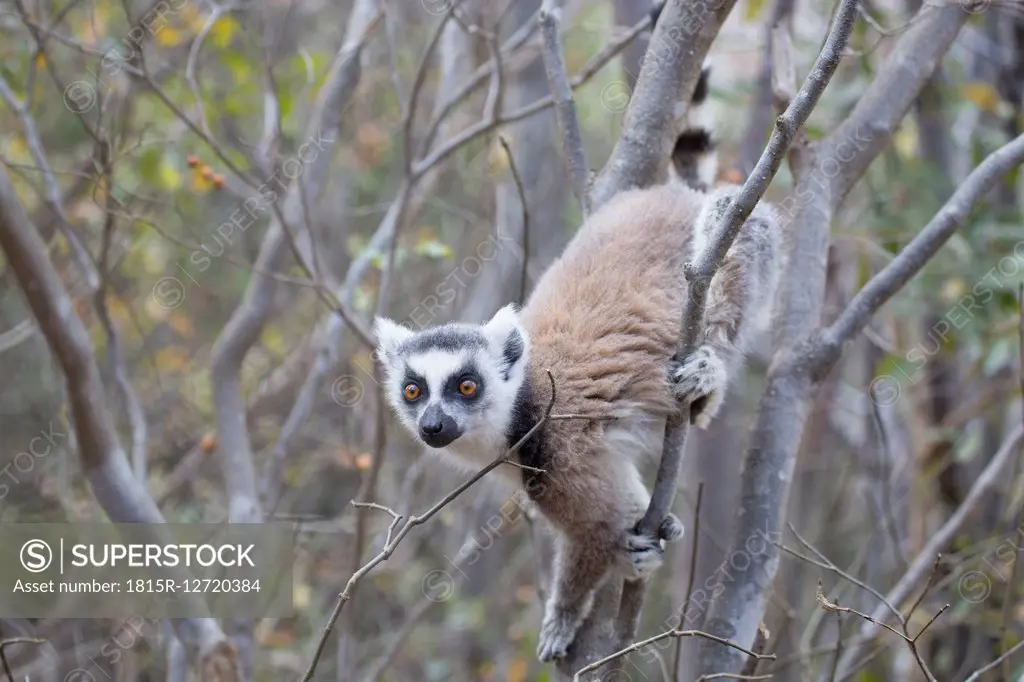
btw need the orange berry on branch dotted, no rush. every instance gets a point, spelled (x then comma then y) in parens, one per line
(208, 443)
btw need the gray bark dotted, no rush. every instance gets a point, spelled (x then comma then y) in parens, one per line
(794, 377)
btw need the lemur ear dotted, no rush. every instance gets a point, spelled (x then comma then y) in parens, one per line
(389, 335)
(507, 337)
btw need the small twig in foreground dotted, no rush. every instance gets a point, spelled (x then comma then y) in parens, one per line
(832, 607)
(11, 642)
(636, 646)
(911, 641)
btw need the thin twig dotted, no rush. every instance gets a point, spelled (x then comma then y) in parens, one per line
(929, 623)
(190, 65)
(689, 579)
(928, 586)
(636, 646)
(832, 607)
(10, 642)
(827, 564)
(589, 70)
(53, 195)
(885, 451)
(409, 116)
(839, 646)
(985, 483)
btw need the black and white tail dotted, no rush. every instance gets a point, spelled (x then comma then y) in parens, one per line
(694, 159)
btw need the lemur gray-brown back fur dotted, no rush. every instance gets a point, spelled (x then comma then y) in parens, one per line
(604, 319)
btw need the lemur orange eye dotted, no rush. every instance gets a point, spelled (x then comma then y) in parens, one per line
(468, 388)
(411, 392)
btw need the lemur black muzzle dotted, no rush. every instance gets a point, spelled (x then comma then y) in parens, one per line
(437, 429)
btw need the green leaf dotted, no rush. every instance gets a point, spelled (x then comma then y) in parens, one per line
(238, 65)
(434, 249)
(170, 177)
(149, 165)
(753, 10)
(287, 102)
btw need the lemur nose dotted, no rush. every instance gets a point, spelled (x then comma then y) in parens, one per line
(432, 428)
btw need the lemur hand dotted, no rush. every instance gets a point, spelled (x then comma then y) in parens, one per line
(701, 379)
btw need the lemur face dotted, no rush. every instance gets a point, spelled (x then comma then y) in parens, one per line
(456, 380)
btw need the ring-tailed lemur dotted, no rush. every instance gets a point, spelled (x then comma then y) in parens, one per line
(604, 319)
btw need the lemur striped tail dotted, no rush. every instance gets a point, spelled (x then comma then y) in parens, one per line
(694, 158)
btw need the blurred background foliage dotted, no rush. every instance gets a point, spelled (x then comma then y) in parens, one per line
(442, 609)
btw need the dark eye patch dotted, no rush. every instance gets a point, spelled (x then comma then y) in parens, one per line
(468, 371)
(413, 377)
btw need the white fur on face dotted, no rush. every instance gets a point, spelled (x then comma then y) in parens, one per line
(484, 423)
(437, 366)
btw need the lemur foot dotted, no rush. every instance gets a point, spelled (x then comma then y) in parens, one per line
(671, 528)
(557, 632)
(644, 553)
(701, 380)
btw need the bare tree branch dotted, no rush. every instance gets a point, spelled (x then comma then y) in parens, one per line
(911, 641)
(792, 378)
(867, 130)
(565, 105)
(919, 251)
(54, 198)
(589, 70)
(700, 273)
(759, 121)
(244, 326)
(16, 335)
(106, 467)
(690, 577)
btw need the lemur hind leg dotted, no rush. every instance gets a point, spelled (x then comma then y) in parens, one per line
(745, 283)
(581, 562)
